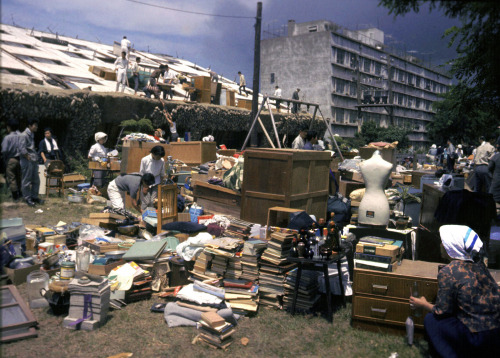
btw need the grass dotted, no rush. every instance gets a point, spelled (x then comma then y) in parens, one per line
(271, 333)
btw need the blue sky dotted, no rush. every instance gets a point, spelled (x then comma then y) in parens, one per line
(226, 44)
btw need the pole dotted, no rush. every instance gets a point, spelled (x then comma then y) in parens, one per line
(256, 73)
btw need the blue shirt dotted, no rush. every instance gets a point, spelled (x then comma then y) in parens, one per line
(11, 145)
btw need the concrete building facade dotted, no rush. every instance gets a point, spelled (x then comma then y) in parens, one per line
(353, 76)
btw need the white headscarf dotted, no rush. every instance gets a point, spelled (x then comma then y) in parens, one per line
(459, 241)
(100, 135)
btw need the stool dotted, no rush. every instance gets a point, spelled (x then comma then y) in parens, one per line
(55, 173)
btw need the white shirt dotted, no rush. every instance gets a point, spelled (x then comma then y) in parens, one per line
(277, 93)
(121, 63)
(298, 143)
(134, 67)
(98, 151)
(169, 77)
(173, 128)
(125, 44)
(155, 167)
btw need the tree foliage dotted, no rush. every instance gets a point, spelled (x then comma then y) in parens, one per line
(477, 43)
(370, 132)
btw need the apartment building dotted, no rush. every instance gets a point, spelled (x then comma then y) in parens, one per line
(353, 76)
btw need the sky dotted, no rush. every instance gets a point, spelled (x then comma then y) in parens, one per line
(226, 42)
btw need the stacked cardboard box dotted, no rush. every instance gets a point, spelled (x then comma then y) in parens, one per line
(376, 253)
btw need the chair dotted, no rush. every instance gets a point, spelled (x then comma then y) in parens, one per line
(167, 205)
(54, 177)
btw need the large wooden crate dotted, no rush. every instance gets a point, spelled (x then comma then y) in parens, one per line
(193, 152)
(284, 177)
(202, 83)
(217, 199)
(245, 103)
(133, 151)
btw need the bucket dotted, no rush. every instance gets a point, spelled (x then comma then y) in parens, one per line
(179, 273)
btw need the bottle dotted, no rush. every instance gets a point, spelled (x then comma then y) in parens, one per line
(417, 312)
(410, 329)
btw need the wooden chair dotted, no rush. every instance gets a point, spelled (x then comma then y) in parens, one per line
(167, 205)
(54, 177)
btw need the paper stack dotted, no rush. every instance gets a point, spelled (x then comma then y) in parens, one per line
(241, 295)
(252, 251)
(89, 302)
(376, 253)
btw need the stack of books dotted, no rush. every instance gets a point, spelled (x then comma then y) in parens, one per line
(308, 294)
(278, 248)
(272, 283)
(252, 251)
(238, 228)
(214, 330)
(241, 295)
(376, 253)
(234, 268)
(219, 265)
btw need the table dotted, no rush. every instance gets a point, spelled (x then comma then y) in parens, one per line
(106, 178)
(312, 264)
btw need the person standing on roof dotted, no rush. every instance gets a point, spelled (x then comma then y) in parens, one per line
(277, 93)
(121, 65)
(152, 87)
(125, 46)
(214, 77)
(134, 67)
(296, 106)
(243, 83)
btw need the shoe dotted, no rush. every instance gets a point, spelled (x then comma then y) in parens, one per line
(30, 202)
(38, 201)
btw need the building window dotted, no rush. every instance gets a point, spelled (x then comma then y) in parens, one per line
(13, 71)
(272, 77)
(378, 68)
(367, 65)
(312, 28)
(16, 44)
(339, 86)
(340, 56)
(353, 117)
(353, 61)
(75, 55)
(41, 60)
(353, 89)
(339, 115)
(78, 79)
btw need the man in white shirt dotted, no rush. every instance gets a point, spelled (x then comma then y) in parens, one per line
(299, 141)
(154, 164)
(277, 93)
(125, 45)
(134, 67)
(169, 78)
(121, 65)
(481, 173)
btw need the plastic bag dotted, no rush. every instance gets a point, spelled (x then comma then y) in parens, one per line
(90, 232)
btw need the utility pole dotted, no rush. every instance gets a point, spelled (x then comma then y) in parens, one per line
(256, 75)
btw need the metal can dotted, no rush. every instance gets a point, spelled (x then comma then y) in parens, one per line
(67, 270)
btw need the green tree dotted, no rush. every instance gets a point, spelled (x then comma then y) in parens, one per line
(477, 44)
(370, 132)
(462, 116)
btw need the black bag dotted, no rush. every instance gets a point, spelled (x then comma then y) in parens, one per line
(341, 207)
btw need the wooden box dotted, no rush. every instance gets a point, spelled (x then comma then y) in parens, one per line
(193, 152)
(230, 98)
(286, 178)
(227, 152)
(110, 75)
(202, 83)
(133, 151)
(73, 179)
(354, 176)
(215, 198)
(104, 270)
(96, 165)
(56, 239)
(346, 187)
(278, 216)
(245, 103)
(18, 276)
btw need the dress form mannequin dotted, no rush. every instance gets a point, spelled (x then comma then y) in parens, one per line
(374, 207)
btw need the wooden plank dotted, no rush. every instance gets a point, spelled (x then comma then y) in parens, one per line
(106, 216)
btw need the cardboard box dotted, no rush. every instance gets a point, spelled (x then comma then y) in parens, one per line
(18, 276)
(382, 250)
(346, 187)
(104, 270)
(354, 176)
(56, 239)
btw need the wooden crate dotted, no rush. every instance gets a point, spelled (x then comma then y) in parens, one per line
(202, 83)
(346, 187)
(73, 179)
(109, 75)
(245, 103)
(217, 199)
(230, 98)
(133, 151)
(203, 96)
(284, 177)
(193, 152)
(227, 152)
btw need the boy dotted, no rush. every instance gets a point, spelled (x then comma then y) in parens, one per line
(29, 164)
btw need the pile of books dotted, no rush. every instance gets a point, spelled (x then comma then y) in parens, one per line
(214, 330)
(238, 228)
(308, 294)
(219, 265)
(273, 267)
(234, 268)
(241, 295)
(376, 253)
(252, 251)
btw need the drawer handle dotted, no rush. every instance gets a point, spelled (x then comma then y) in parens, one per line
(379, 311)
(379, 287)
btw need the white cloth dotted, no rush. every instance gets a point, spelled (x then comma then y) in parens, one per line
(277, 93)
(98, 151)
(121, 63)
(298, 143)
(116, 196)
(189, 293)
(169, 77)
(134, 67)
(51, 144)
(459, 241)
(173, 128)
(193, 246)
(155, 167)
(100, 135)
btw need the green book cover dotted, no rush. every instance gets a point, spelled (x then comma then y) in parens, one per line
(145, 250)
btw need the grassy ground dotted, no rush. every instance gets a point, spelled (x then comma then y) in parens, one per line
(135, 329)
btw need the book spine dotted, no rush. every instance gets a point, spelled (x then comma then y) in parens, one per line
(375, 258)
(374, 268)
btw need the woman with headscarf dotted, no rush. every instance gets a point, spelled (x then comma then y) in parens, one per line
(465, 320)
(48, 148)
(96, 152)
